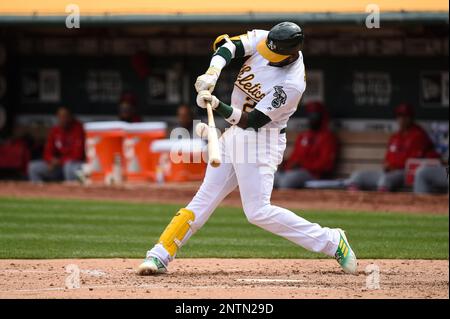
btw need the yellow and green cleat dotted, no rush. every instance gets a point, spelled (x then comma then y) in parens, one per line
(345, 255)
(151, 266)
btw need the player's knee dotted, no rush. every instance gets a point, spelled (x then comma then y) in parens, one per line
(421, 173)
(257, 215)
(36, 168)
(355, 178)
(68, 170)
(383, 184)
(31, 168)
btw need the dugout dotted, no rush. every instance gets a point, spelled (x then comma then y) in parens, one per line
(156, 50)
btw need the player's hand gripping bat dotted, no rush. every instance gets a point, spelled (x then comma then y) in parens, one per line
(209, 131)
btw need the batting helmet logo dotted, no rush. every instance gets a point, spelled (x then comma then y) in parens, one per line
(271, 45)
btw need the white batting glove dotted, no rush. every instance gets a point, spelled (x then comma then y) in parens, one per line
(208, 80)
(205, 96)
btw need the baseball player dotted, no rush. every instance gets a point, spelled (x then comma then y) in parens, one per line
(266, 93)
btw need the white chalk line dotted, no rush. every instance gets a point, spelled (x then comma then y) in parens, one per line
(8, 271)
(164, 286)
(82, 288)
(268, 280)
(152, 286)
(115, 287)
(93, 272)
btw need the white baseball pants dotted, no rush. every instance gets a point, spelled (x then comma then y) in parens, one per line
(253, 171)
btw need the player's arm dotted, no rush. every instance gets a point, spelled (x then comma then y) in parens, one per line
(254, 119)
(225, 49)
(281, 101)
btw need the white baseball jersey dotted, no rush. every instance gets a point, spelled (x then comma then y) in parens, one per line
(275, 91)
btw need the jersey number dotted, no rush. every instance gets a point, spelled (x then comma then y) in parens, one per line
(249, 105)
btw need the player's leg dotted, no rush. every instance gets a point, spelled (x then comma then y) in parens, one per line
(295, 178)
(430, 179)
(217, 184)
(390, 181)
(365, 180)
(70, 168)
(39, 171)
(255, 184)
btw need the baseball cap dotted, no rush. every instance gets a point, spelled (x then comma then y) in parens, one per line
(128, 98)
(404, 109)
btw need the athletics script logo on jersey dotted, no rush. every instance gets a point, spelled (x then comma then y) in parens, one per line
(245, 83)
(280, 97)
(252, 91)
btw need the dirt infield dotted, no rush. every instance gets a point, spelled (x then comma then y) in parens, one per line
(223, 278)
(227, 278)
(182, 193)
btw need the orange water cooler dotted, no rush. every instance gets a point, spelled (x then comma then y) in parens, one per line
(139, 166)
(104, 145)
(178, 160)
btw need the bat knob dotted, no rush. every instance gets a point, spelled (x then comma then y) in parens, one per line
(214, 162)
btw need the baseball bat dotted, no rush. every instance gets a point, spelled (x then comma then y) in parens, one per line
(213, 140)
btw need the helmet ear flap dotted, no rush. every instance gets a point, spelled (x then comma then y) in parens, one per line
(220, 40)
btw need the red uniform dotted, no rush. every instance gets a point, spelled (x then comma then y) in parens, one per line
(15, 155)
(412, 143)
(65, 144)
(134, 119)
(315, 150)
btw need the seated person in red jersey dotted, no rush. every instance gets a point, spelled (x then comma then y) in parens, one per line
(314, 153)
(185, 118)
(411, 141)
(63, 152)
(128, 108)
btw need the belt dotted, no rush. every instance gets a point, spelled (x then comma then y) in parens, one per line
(282, 131)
